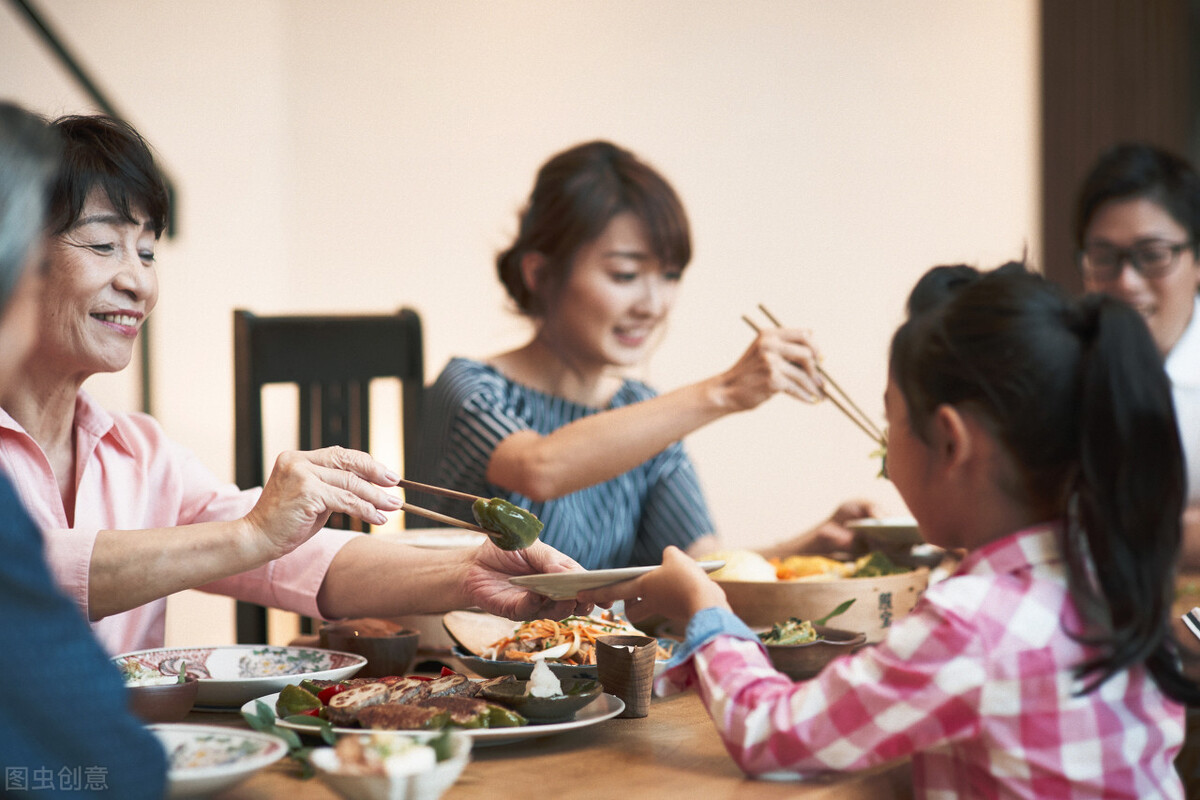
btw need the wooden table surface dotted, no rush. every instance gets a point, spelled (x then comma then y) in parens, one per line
(673, 752)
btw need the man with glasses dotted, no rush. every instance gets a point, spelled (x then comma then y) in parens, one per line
(1137, 222)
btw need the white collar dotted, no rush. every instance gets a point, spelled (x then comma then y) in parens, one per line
(1183, 362)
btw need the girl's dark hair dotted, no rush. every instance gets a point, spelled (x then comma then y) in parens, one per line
(576, 194)
(1075, 391)
(108, 154)
(1136, 169)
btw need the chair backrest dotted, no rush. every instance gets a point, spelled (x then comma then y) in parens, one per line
(332, 361)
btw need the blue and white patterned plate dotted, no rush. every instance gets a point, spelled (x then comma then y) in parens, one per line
(203, 759)
(233, 674)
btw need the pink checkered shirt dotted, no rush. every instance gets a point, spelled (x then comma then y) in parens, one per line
(976, 684)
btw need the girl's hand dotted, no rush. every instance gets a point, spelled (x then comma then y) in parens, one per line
(305, 488)
(487, 586)
(778, 360)
(676, 590)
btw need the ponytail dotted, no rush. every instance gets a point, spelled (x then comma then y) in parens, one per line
(1124, 530)
(1076, 393)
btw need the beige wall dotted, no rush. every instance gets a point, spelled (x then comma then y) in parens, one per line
(361, 155)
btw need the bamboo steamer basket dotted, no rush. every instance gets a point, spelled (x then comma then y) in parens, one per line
(878, 602)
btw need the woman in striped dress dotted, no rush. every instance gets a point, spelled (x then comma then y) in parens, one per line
(553, 425)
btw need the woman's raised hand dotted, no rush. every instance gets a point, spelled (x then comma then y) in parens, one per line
(778, 360)
(306, 487)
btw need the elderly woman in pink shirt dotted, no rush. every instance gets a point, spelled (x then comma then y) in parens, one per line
(129, 515)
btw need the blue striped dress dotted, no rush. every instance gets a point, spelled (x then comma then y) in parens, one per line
(626, 521)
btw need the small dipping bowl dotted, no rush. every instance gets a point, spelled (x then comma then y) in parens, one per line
(803, 661)
(167, 702)
(562, 708)
(426, 785)
(388, 648)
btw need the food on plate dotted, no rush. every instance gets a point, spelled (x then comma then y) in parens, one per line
(137, 674)
(746, 565)
(570, 641)
(515, 528)
(543, 682)
(400, 717)
(793, 567)
(397, 702)
(380, 754)
(791, 631)
(741, 565)
(296, 700)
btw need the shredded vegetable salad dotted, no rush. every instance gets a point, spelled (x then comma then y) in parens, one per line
(571, 640)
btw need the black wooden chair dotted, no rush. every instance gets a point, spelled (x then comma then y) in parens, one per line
(332, 361)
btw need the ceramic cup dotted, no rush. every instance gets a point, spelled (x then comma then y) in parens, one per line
(625, 666)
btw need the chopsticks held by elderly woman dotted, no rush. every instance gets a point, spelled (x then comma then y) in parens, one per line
(129, 515)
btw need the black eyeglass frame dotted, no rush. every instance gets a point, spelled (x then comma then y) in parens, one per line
(1130, 255)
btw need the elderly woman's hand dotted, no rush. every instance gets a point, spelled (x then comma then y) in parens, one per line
(305, 488)
(778, 360)
(488, 571)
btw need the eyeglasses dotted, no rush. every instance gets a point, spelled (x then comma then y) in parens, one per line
(1103, 264)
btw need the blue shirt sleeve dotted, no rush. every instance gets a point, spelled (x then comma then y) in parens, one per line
(707, 625)
(65, 730)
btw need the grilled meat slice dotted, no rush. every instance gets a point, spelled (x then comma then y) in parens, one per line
(397, 717)
(465, 712)
(408, 690)
(344, 707)
(451, 685)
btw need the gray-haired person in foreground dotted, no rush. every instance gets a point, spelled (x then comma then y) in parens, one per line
(66, 729)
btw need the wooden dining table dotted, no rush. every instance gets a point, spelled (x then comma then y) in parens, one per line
(672, 752)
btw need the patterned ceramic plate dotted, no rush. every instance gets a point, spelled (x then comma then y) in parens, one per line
(606, 706)
(204, 759)
(231, 675)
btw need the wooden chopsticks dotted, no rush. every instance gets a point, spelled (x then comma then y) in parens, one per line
(435, 516)
(857, 416)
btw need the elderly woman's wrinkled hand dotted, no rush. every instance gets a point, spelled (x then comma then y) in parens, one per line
(305, 488)
(487, 585)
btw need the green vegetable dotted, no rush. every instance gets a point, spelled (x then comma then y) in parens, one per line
(501, 717)
(182, 672)
(512, 528)
(841, 609)
(875, 564)
(881, 454)
(791, 631)
(293, 701)
(440, 745)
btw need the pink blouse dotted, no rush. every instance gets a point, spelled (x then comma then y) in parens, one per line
(130, 476)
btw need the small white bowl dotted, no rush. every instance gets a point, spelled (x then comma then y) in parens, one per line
(428, 785)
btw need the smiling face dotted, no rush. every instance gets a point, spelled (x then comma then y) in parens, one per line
(615, 297)
(1165, 303)
(100, 286)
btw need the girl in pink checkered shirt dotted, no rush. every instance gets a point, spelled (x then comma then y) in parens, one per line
(1036, 432)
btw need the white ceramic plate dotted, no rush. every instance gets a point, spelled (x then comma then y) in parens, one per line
(565, 585)
(606, 706)
(889, 531)
(231, 675)
(204, 759)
